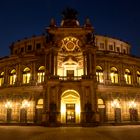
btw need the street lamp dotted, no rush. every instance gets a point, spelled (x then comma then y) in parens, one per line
(8, 105)
(25, 104)
(115, 103)
(132, 104)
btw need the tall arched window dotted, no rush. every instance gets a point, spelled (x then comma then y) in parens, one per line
(114, 75)
(127, 76)
(1, 78)
(12, 77)
(41, 74)
(26, 75)
(138, 77)
(99, 74)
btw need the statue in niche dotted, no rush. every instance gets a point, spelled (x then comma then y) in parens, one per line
(90, 38)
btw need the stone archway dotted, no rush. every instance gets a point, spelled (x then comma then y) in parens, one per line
(70, 107)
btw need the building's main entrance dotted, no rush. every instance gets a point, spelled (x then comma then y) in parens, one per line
(70, 113)
(70, 107)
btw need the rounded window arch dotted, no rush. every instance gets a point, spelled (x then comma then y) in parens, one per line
(2, 73)
(40, 103)
(127, 76)
(114, 75)
(26, 75)
(138, 77)
(1, 78)
(99, 74)
(100, 103)
(41, 74)
(12, 77)
(26, 70)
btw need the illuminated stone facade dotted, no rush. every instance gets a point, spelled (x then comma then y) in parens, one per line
(69, 76)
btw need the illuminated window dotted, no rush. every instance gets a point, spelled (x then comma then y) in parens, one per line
(12, 77)
(101, 103)
(1, 78)
(99, 74)
(127, 76)
(114, 75)
(138, 77)
(39, 103)
(41, 74)
(26, 75)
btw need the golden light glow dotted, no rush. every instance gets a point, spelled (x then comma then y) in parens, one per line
(99, 74)
(8, 104)
(39, 103)
(132, 104)
(70, 65)
(115, 103)
(26, 75)
(114, 75)
(127, 76)
(13, 77)
(41, 74)
(25, 104)
(26, 78)
(138, 77)
(1, 78)
(70, 97)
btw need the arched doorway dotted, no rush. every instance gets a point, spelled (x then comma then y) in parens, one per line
(70, 107)
(101, 109)
(39, 110)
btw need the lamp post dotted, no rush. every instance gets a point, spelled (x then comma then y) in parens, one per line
(23, 115)
(8, 106)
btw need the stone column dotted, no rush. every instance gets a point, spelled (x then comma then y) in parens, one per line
(134, 75)
(122, 79)
(55, 63)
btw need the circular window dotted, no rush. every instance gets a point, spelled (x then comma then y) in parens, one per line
(70, 46)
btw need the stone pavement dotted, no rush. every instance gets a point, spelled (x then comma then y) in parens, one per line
(70, 133)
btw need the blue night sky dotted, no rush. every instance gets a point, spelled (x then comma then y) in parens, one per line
(24, 18)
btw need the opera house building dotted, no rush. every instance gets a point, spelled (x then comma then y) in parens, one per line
(69, 75)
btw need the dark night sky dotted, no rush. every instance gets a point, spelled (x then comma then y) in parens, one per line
(24, 18)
